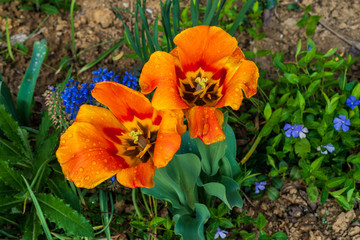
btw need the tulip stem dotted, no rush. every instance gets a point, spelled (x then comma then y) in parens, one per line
(137, 210)
(251, 151)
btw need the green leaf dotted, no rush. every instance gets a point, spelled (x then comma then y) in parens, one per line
(176, 182)
(240, 17)
(11, 177)
(49, 9)
(324, 195)
(193, 228)
(59, 186)
(313, 20)
(295, 173)
(139, 224)
(6, 99)
(64, 216)
(260, 221)
(315, 165)
(298, 48)
(279, 236)
(8, 202)
(342, 201)
(156, 221)
(232, 192)
(267, 111)
(335, 182)
(292, 78)
(302, 147)
(313, 193)
(330, 52)
(269, 4)
(32, 226)
(300, 99)
(312, 88)
(272, 193)
(218, 190)
(356, 91)
(26, 91)
(211, 155)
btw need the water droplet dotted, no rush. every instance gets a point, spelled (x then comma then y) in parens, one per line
(70, 135)
(38, 54)
(236, 89)
(93, 163)
(81, 169)
(105, 160)
(87, 140)
(87, 178)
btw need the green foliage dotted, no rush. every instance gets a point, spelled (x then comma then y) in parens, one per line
(311, 92)
(46, 6)
(309, 21)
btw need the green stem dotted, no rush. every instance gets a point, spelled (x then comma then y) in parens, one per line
(251, 151)
(135, 204)
(8, 41)
(73, 28)
(37, 29)
(146, 205)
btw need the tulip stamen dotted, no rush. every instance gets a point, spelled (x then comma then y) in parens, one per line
(135, 135)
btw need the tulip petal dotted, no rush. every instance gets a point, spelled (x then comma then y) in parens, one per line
(159, 72)
(205, 123)
(205, 47)
(245, 79)
(124, 103)
(141, 175)
(88, 149)
(169, 137)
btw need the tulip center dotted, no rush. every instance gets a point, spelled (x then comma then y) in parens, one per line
(141, 143)
(199, 89)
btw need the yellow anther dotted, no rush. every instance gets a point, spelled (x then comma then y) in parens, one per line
(135, 135)
(201, 82)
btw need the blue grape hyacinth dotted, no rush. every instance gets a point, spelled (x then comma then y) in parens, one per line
(76, 94)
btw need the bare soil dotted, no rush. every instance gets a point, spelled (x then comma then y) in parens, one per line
(96, 24)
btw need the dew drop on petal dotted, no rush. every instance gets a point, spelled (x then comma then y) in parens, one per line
(81, 169)
(93, 163)
(237, 89)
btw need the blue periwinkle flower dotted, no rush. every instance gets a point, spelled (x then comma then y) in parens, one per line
(329, 148)
(352, 102)
(259, 186)
(220, 233)
(341, 122)
(292, 130)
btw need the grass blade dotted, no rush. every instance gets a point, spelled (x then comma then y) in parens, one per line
(176, 16)
(73, 28)
(104, 213)
(38, 211)
(240, 16)
(215, 20)
(26, 92)
(6, 98)
(194, 8)
(102, 56)
(209, 16)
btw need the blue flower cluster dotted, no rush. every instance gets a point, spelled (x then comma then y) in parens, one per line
(76, 94)
(295, 130)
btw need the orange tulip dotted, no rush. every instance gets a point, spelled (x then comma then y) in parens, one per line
(206, 71)
(130, 140)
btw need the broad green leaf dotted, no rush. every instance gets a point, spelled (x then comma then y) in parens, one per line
(313, 193)
(59, 186)
(27, 87)
(190, 227)
(188, 145)
(295, 173)
(298, 48)
(312, 88)
(176, 182)
(330, 52)
(232, 192)
(313, 20)
(64, 216)
(218, 190)
(342, 201)
(156, 221)
(324, 195)
(211, 155)
(139, 224)
(300, 99)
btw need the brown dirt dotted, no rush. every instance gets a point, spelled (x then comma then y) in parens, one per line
(96, 23)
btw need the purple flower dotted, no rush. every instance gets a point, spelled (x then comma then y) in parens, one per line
(259, 186)
(328, 148)
(292, 130)
(351, 102)
(341, 123)
(302, 133)
(220, 233)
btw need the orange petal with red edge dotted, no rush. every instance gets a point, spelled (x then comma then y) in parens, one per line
(245, 78)
(160, 68)
(141, 175)
(169, 137)
(125, 103)
(205, 123)
(205, 47)
(87, 151)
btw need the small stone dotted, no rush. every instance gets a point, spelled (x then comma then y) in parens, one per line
(103, 16)
(343, 220)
